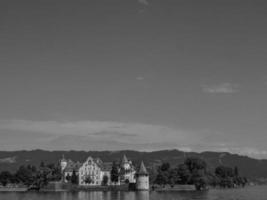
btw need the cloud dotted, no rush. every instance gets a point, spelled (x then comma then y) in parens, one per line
(143, 2)
(185, 149)
(111, 135)
(68, 142)
(140, 78)
(264, 79)
(101, 134)
(223, 88)
(247, 151)
(231, 147)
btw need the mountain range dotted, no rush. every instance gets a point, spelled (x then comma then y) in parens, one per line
(249, 167)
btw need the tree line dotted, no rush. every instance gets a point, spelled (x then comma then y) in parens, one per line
(31, 176)
(195, 171)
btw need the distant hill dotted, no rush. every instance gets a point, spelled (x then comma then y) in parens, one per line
(252, 168)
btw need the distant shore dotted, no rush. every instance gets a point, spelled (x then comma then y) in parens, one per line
(13, 189)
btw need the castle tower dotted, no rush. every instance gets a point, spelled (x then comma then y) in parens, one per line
(125, 164)
(63, 163)
(142, 178)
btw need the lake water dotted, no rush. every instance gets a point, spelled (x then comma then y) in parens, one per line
(248, 193)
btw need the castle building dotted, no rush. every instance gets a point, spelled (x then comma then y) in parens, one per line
(63, 163)
(127, 171)
(142, 178)
(90, 173)
(93, 171)
(67, 168)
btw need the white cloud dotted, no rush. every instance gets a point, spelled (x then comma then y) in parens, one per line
(185, 149)
(110, 135)
(144, 2)
(247, 151)
(98, 131)
(223, 88)
(140, 78)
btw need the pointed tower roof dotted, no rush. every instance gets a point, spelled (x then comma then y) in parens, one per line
(124, 159)
(63, 158)
(142, 170)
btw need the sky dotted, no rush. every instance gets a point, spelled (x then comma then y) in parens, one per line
(134, 74)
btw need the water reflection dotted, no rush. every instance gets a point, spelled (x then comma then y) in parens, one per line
(255, 193)
(89, 195)
(142, 195)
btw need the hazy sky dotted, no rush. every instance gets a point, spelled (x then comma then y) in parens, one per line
(134, 74)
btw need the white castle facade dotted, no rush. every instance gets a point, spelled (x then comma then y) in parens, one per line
(95, 172)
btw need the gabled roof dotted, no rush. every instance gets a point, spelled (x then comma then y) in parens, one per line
(106, 166)
(89, 158)
(142, 170)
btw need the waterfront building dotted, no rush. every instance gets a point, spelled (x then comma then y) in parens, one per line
(92, 172)
(67, 168)
(95, 172)
(142, 178)
(63, 163)
(127, 171)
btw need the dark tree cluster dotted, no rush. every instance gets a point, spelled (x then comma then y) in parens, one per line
(194, 171)
(105, 181)
(114, 174)
(74, 179)
(31, 176)
(228, 177)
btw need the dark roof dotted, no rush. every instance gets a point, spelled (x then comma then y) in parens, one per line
(106, 166)
(72, 166)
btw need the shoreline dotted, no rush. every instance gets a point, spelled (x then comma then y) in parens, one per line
(121, 188)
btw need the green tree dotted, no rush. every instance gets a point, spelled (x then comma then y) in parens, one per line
(226, 176)
(41, 179)
(224, 172)
(198, 170)
(105, 180)
(114, 174)
(165, 167)
(74, 177)
(173, 177)
(68, 178)
(26, 175)
(162, 178)
(194, 163)
(183, 174)
(54, 172)
(163, 175)
(5, 177)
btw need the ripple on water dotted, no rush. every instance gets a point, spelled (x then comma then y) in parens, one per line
(249, 193)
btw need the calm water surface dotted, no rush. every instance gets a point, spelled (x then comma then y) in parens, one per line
(249, 193)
